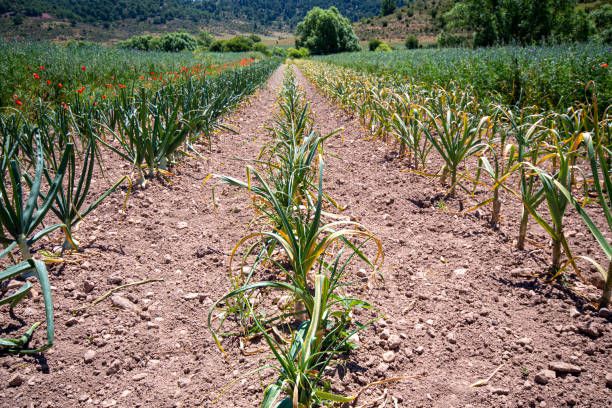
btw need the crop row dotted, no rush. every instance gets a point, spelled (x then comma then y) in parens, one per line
(49, 157)
(292, 284)
(550, 161)
(551, 77)
(56, 74)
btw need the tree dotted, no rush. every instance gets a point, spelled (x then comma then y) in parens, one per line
(518, 21)
(412, 42)
(387, 7)
(326, 32)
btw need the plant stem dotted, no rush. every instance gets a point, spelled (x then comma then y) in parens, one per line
(607, 292)
(520, 244)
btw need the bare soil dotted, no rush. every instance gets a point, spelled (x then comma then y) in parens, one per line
(458, 301)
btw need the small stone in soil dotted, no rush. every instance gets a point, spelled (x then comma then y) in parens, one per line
(89, 356)
(609, 380)
(394, 342)
(499, 390)
(388, 356)
(72, 321)
(123, 303)
(544, 376)
(451, 337)
(139, 377)
(88, 286)
(560, 367)
(15, 381)
(184, 382)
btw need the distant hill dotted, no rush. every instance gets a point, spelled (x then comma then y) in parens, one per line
(105, 19)
(417, 17)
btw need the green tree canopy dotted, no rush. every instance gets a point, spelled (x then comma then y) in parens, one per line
(519, 21)
(326, 32)
(387, 7)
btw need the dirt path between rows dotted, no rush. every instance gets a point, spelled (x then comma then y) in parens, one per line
(456, 303)
(456, 300)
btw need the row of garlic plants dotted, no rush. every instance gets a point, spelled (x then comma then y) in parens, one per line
(49, 160)
(300, 252)
(551, 161)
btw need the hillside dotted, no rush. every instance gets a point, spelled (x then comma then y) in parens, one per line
(107, 19)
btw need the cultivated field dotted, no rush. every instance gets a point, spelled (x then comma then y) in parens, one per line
(423, 228)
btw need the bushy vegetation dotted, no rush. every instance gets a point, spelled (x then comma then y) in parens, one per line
(554, 77)
(170, 42)
(526, 21)
(326, 32)
(412, 42)
(239, 43)
(297, 53)
(387, 7)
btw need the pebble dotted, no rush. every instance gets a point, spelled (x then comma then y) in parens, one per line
(167, 259)
(182, 225)
(524, 341)
(560, 367)
(114, 367)
(184, 382)
(574, 313)
(605, 313)
(469, 318)
(544, 376)
(394, 342)
(15, 381)
(72, 321)
(355, 340)
(384, 335)
(609, 380)
(123, 303)
(499, 390)
(419, 350)
(114, 280)
(88, 286)
(388, 356)
(89, 356)
(139, 377)
(451, 337)
(460, 273)
(109, 403)
(191, 296)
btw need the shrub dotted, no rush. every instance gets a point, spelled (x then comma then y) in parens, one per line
(373, 44)
(326, 32)
(238, 44)
(205, 39)
(384, 47)
(171, 42)
(412, 42)
(298, 53)
(279, 52)
(261, 47)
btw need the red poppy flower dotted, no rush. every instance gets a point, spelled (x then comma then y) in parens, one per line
(60, 85)
(48, 82)
(36, 76)
(18, 102)
(42, 68)
(80, 90)
(604, 65)
(103, 96)
(121, 86)
(83, 68)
